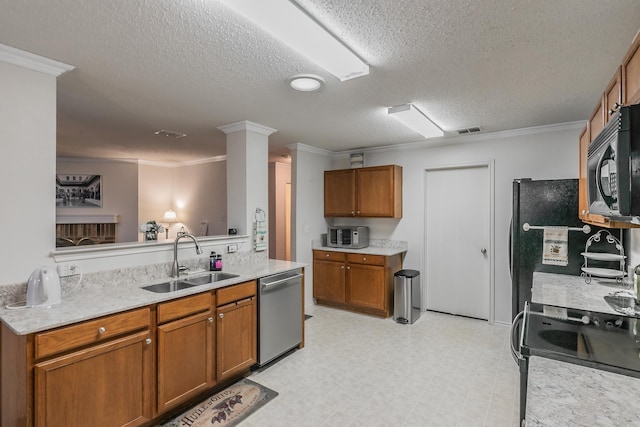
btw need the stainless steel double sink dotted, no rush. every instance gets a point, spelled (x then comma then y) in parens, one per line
(179, 284)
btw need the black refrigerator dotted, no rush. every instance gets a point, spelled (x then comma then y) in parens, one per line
(542, 203)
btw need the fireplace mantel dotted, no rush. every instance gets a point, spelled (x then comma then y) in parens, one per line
(87, 219)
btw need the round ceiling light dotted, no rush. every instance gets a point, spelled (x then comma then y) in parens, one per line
(306, 82)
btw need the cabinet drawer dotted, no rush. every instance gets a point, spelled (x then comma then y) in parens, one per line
(236, 292)
(93, 331)
(366, 259)
(184, 306)
(329, 255)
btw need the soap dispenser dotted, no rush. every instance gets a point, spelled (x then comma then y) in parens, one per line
(212, 261)
(218, 263)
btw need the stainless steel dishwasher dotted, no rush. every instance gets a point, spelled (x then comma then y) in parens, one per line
(280, 314)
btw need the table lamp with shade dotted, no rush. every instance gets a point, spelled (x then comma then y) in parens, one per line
(169, 218)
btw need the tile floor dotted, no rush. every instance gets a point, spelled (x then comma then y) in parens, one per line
(357, 370)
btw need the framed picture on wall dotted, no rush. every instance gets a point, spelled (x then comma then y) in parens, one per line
(78, 191)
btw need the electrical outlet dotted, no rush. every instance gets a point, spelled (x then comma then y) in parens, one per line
(65, 270)
(232, 248)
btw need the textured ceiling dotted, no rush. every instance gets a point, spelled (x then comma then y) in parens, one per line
(192, 65)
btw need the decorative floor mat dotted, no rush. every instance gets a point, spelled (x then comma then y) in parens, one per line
(226, 408)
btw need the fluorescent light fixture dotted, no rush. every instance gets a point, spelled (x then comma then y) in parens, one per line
(288, 22)
(414, 119)
(306, 82)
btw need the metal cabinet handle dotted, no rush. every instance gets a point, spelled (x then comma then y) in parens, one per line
(364, 258)
(484, 251)
(221, 315)
(101, 330)
(328, 255)
(348, 268)
(210, 319)
(342, 267)
(148, 341)
(615, 108)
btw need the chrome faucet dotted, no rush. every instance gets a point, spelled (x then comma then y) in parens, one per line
(175, 269)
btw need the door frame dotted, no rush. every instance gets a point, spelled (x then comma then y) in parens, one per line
(490, 165)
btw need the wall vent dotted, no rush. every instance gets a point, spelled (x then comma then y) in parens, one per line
(468, 130)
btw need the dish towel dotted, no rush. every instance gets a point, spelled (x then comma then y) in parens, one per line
(260, 235)
(555, 246)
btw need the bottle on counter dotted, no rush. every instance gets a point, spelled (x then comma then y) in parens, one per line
(218, 263)
(212, 261)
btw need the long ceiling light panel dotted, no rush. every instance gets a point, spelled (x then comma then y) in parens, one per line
(286, 21)
(414, 119)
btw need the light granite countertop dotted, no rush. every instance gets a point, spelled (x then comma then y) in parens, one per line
(112, 294)
(376, 247)
(568, 395)
(563, 290)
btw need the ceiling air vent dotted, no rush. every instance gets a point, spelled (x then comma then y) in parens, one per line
(172, 134)
(468, 130)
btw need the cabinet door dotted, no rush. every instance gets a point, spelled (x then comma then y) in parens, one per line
(378, 191)
(340, 193)
(106, 385)
(596, 121)
(366, 286)
(237, 341)
(329, 280)
(613, 96)
(631, 74)
(185, 359)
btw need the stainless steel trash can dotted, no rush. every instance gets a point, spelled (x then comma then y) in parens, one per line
(406, 292)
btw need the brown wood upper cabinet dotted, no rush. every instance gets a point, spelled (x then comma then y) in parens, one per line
(631, 74)
(623, 89)
(364, 192)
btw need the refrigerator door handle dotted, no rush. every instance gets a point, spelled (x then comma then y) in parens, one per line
(510, 248)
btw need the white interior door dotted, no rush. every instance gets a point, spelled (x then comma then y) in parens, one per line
(457, 226)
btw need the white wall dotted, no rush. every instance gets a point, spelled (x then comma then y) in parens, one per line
(119, 192)
(307, 195)
(28, 150)
(155, 187)
(541, 153)
(279, 177)
(200, 194)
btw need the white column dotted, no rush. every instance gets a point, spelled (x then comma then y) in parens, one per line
(247, 173)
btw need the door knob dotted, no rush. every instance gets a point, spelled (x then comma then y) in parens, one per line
(484, 251)
(221, 315)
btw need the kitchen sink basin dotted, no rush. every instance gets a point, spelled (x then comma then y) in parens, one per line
(176, 285)
(172, 286)
(209, 278)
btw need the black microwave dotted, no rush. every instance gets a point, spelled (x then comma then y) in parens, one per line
(613, 167)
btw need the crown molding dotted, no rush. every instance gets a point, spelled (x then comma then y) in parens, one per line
(28, 60)
(310, 149)
(247, 126)
(464, 139)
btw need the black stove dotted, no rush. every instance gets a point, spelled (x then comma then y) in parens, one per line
(610, 342)
(604, 341)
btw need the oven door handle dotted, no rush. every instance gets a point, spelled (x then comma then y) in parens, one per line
(517, 355)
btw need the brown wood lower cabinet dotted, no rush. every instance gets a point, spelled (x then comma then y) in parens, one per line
(355, 281)
(112, 371)
(186, 350)
(106, 385)
(237, 329)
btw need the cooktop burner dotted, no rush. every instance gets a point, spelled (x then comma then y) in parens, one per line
(606, 341)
